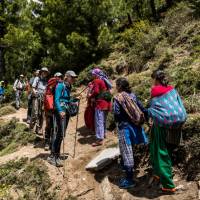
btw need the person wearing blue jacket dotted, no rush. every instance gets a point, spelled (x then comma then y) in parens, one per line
(61, 99)
(2, 91)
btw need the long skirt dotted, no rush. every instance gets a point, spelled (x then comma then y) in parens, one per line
(128, 136)
(100, 123)
(160, 158)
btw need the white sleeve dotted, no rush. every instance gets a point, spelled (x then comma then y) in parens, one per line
(35, 82)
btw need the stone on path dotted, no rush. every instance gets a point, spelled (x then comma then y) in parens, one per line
(103, 159)
(106, 189)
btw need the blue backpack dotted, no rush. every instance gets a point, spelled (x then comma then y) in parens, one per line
(168, 110)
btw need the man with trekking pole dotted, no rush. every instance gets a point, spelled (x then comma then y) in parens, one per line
(65, 107)
(38, 89)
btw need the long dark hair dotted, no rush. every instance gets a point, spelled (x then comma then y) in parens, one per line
(160, 76)
(123, 85)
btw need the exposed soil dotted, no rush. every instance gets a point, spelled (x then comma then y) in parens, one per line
(74, 181)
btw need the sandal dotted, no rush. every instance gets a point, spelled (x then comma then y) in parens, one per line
(97, 143)
(169, 190)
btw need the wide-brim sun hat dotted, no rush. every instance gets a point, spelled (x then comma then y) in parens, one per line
(71, 73)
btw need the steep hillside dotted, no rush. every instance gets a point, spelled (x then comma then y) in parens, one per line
(172, 45)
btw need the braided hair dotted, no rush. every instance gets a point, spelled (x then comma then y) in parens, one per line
(160, 76)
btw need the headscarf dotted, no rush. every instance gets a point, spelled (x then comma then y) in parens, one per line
(101, 75)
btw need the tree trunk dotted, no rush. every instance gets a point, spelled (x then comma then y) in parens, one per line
(153, 9)
(2, 32)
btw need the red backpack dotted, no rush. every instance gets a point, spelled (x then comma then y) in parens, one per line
(49, 94)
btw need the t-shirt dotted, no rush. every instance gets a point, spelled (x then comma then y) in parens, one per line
(40, 85)
(31, 81)
(19, 85)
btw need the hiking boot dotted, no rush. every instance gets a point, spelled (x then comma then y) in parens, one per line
(28, 121)
(126, 183)
(50, 157)
(59, 163)
(52, 160)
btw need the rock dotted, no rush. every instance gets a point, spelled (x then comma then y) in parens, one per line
(106, 189)
(103, 159)
(180, 188)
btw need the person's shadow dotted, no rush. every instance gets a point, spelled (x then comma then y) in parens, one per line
(141, 190)
(86, 136)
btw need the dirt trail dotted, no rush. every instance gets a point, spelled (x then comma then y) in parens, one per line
(21, 114)
(85, 185)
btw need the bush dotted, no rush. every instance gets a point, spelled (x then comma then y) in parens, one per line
(176, 20)
(140, 41)
(141, 84)
(6, 110)
(195, 5)
(192, 126)
(192, 103)
(30, 180)
(9, 93)
(13, 135)
(110, 122)
(185, 79)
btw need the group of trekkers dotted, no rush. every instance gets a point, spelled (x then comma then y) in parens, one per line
(165, 116)
(51, 100)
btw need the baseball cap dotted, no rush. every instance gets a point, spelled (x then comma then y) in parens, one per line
(37, 71)
(44, 69)
(21, 75)
(58, 74)
(71, 73)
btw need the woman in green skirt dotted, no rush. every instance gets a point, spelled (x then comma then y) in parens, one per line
(168, 115)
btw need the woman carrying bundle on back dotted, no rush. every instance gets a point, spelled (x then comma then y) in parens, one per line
(129, 115)
(168, 114)
(101, 94)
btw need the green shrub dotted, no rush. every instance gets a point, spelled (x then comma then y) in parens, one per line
(13, 135)
(195, 5)
(29, 179)
(9, 93)
(6, 110)
(192, 126)
(140, 41)
(141, 84)
(110, 122)
(185, 79)
(175, 21)
(192, 103)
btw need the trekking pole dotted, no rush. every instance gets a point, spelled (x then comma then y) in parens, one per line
(82, 91)
(63, 132)
(77, 118)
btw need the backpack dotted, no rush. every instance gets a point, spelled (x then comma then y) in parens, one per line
(49, 94)
(168, 110)
(131, 108)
